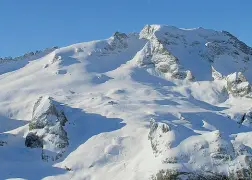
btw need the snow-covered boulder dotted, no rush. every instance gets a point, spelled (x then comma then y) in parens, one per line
(46, 112)
(226, 159)
(237, 85)
(159, 136)
(241, 168)
(46, 129)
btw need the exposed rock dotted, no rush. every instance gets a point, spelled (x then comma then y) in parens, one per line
(171, 50)
(2, 143)
(33, 141)
(120, 36)
(29, 55)
(155, 55)
(238, 44)
(241, 169)
(56, 59)
(46, 129)
(159, 136)
(68, 169)
(176, 175)
(119, 41)
(216, 75)
(246, 118)
(148, 31)
(241, 149)
(112, 102)
(237, 85)
(216, 48)
(46, 112)
(235, 156)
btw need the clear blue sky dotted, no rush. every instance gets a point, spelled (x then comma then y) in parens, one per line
(28, 25)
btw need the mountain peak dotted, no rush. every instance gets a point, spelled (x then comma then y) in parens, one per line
(181, 97)
(119, 35)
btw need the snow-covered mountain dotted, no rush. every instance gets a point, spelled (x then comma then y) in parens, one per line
(165, 103)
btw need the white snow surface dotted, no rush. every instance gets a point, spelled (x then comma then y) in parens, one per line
(109, 99)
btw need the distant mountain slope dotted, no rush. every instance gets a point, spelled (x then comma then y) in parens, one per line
(9, 64)
(160, 104)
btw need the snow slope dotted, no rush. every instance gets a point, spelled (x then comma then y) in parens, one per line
(162, 101)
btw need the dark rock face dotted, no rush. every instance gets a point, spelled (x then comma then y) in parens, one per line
(120, 36)
(242, 171)
(33, 141)
(238, 44)
(246, 118)
(119, 41)
(47, 129)
(2, 143)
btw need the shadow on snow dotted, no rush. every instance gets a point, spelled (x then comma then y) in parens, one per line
(8, 124)
(85, 125)
(18, 161)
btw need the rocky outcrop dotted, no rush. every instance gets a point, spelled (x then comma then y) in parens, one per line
(216, 75)
(33, 141)
(46, 112)
(155, 55)
(115, 44)
(241, 168)
(2, 143)
(119, 36)
(246, 118)
(159, 137)
(118, 41)
(46, 129)
(238, 44)
(29, 55)
(224, 43)
(237, 85)
(220, 157)
(186, 53)
(176, 175)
